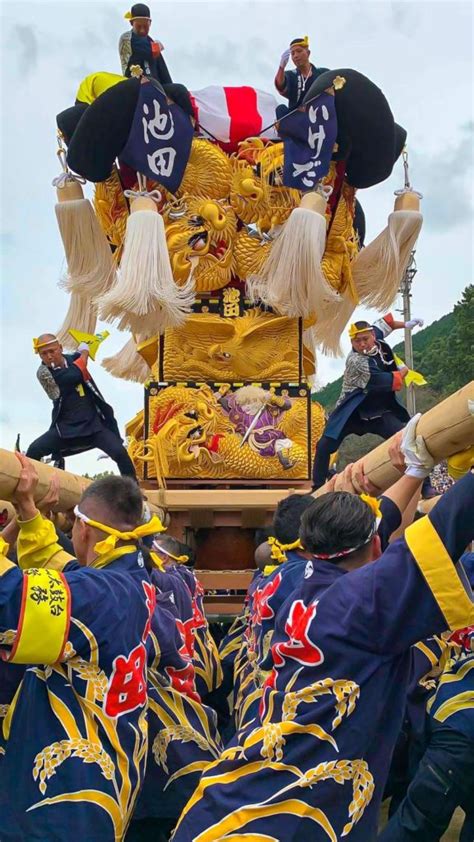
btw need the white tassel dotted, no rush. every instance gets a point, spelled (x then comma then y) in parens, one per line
(378, 269)
(81, 315)
(127, 363)
(292, 281)
(90, 265)
(145, 296)
(327, 331)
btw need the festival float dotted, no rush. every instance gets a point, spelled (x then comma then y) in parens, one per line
(229, 261)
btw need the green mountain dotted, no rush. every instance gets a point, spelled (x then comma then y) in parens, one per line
(443, 352)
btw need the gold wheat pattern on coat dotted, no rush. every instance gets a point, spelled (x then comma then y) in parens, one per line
(183, 733)
(90, 673)
(346, 693)
(341, 771)
(273, 742)
(50, 758)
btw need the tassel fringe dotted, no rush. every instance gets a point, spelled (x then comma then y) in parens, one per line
(292, 281)
(81, 315)
(145, 297)
(378, 269)
(127, 363)
(90, 265)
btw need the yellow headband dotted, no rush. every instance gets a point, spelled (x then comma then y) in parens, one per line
(181, 559)
(279, 550)
(129, 16)
(303, 42)
(354, 330)
(37, 344)
(373, 505)
(102, 547)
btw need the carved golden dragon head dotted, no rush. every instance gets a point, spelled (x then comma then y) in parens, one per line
(202, 228)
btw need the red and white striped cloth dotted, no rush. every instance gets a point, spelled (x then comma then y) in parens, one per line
(234, 114)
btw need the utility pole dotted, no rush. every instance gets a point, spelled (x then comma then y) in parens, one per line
(405, 285)
(405, 290)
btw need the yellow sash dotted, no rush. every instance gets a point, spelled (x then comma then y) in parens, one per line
(45, 613)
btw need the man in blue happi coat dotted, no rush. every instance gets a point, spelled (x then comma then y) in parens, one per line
(444, 779)
(367, 403)
(76, 734)
(294, 84)
(316, 761)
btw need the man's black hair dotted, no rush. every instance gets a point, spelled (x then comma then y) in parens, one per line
(177, 548)
(335, 522)
(287, 517)
(120, 495)
(297, 41)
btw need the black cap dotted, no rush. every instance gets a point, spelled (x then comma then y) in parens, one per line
(139, 10)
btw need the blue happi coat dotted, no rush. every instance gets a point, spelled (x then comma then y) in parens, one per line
(206, 659)
(316, 764)
(272, 600)
(76, 730)
(183, 735)
(452, 705)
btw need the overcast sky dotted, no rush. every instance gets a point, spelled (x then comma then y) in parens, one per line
(419, 53)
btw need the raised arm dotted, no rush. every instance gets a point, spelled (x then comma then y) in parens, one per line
(280, 78)
(76, 373)
(387, 324)
(37, 542)
(416, 589)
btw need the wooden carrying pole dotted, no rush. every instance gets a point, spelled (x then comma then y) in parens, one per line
(446, 428)
(71, 486)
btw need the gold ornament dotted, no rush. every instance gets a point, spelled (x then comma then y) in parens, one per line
(191, 435)
(204, 229)
(257, 345)
(208, 172)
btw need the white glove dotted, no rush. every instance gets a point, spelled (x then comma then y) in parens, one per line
(83, 346)
(284, 59)
(414, 322)
(418, 460)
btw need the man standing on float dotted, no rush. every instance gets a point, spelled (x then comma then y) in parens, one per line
(367, 403)
(136, 47)
(81, 418)
(294, 84)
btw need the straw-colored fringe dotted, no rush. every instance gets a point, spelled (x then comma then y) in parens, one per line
(292, 281)
(81, 315)
(378, 269)
(327, 330)
(145, 296)
(127, 363)
(90, 266)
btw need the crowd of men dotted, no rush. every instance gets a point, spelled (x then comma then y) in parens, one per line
(347, 678)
